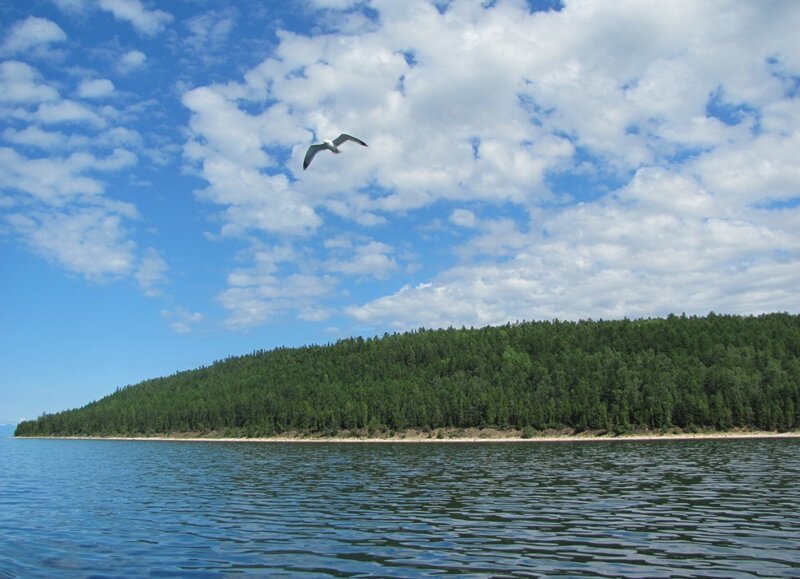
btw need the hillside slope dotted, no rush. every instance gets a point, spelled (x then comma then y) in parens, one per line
(709, 372)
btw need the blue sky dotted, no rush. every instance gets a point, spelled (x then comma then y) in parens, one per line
(526, 161)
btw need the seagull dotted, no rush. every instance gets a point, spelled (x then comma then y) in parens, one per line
(330, 145)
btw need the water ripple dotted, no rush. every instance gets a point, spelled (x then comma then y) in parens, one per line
(656, 509)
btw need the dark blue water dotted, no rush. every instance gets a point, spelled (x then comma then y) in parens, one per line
(665, 508)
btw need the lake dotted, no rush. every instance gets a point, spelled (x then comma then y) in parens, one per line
(715, 508)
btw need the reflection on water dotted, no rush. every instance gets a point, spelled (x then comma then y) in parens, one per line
(663, 508)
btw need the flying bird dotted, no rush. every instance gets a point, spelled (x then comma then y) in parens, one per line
(330, 145)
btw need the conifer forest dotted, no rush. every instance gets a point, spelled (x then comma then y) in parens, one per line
(711, 372)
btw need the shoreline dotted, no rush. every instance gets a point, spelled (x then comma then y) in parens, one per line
(453, 437)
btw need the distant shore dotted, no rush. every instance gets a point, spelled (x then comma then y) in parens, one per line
(446, 436)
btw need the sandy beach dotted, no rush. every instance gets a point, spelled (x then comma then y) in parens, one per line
(446, 437)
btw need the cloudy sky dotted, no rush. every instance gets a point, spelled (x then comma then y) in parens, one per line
(526, 161)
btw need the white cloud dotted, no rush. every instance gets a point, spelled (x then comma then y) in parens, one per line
(35, 137)
(55, 183)
(496, 238)
(95, 88)
(372, 259)
(257, 201)
(72, 5)
(149, 22)
(67, 111)
(151, 272)
(131, 61)
(266, 262)
(607, 159)
(257, 293)
(655, 247)
(255, 304)
(335, 4)
(209, 32)
(463, 218)
(60, 211)
(228, 131)
(283, 280)
(229, 146)
(58, 181)
(50, 180)
(32, 34)
(754, 170)
(181, 320)
(91, 241)
(20, 83)
(687, 109)
(312, 314)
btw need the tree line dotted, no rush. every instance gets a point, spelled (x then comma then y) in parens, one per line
(711, 372)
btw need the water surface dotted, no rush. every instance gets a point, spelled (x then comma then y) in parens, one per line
(662, 508)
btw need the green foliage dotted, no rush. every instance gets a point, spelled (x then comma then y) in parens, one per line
(687, 372)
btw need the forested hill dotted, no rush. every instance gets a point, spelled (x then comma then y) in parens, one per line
(708, 372)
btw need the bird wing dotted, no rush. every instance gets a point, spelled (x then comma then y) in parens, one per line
(312, 150)
(345, 137)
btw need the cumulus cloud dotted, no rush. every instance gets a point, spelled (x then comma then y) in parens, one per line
(60, 158)
(63, 215)
(148, 22)
(372, 259)
(229, 147)
(58, 202)
(600, 160)
(335, 4)
(131, 61)
(615, 159)
(660, 245)
(55, 180)
(69, 221)
(273, 296)
(755, 170)
(34, 137)
(279, 282)
(21, 83)
(181, 320)
(95, 88)
(66, 111)
(463, 218)
(33, 34)
(91, 241)
(151, 272)
(209, 32)
(72, 5)
(49, 140)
